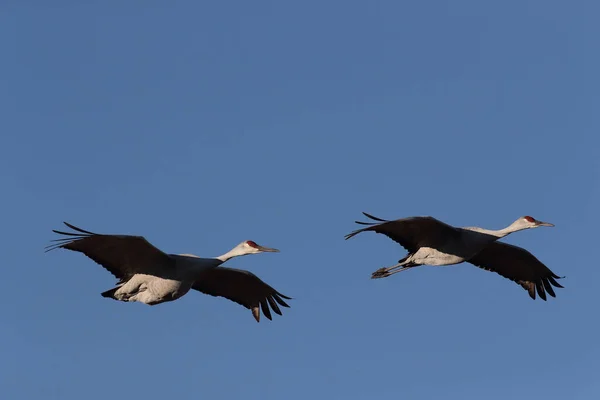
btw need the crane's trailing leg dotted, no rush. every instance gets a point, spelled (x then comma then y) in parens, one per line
(402, 265)
(384, 272)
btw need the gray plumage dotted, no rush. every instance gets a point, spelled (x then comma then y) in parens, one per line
(432, 242)
(148, 275)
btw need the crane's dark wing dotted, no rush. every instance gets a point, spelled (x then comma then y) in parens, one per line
(518, 265)
(411, 233)
(122, 255)
(242, 287)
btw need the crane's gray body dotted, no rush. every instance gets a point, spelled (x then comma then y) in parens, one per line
(432, 242)
(148, 275)
(152, 290)
(450, 250)
(175, 280)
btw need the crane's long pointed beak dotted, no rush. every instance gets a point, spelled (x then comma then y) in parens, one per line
(540, 223)
(268, 249)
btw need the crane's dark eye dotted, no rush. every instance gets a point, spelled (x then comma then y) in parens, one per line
(251, 244)
(529, 219)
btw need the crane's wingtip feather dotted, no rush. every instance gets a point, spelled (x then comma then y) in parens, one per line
(280, 300)
(265, 309)
(374, 218)
(274, 305)
(530, 287)
(276, 309)
(554, 283)
(66, 233)
(256, 313)
(78, 229)
(548, 287)
(353, 233)
(54, 246)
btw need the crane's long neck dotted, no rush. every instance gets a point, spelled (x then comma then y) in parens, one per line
(500, 233)
(235, 252)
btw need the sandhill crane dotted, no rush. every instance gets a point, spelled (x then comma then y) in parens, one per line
(149, 276)
(432, 242)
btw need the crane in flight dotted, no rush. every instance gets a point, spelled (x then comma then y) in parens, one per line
(432, 242)
(150, 276)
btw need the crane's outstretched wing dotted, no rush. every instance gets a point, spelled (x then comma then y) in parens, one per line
(122, 255)
(411, 233)
(518, 265)
(242, 287)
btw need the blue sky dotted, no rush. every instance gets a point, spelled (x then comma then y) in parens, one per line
(201, 125)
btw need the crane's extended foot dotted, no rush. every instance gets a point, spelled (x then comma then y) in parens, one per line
(388, 271)
(380, 273)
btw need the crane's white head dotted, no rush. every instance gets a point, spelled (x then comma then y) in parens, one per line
(245, 248)
(528, 222)
(250, 247)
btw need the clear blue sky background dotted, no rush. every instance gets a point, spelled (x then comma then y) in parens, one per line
(201, 125)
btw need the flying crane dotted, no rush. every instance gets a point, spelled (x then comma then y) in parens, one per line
(432, 242)
(150, 276)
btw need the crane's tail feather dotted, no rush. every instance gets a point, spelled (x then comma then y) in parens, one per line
(110, 293)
